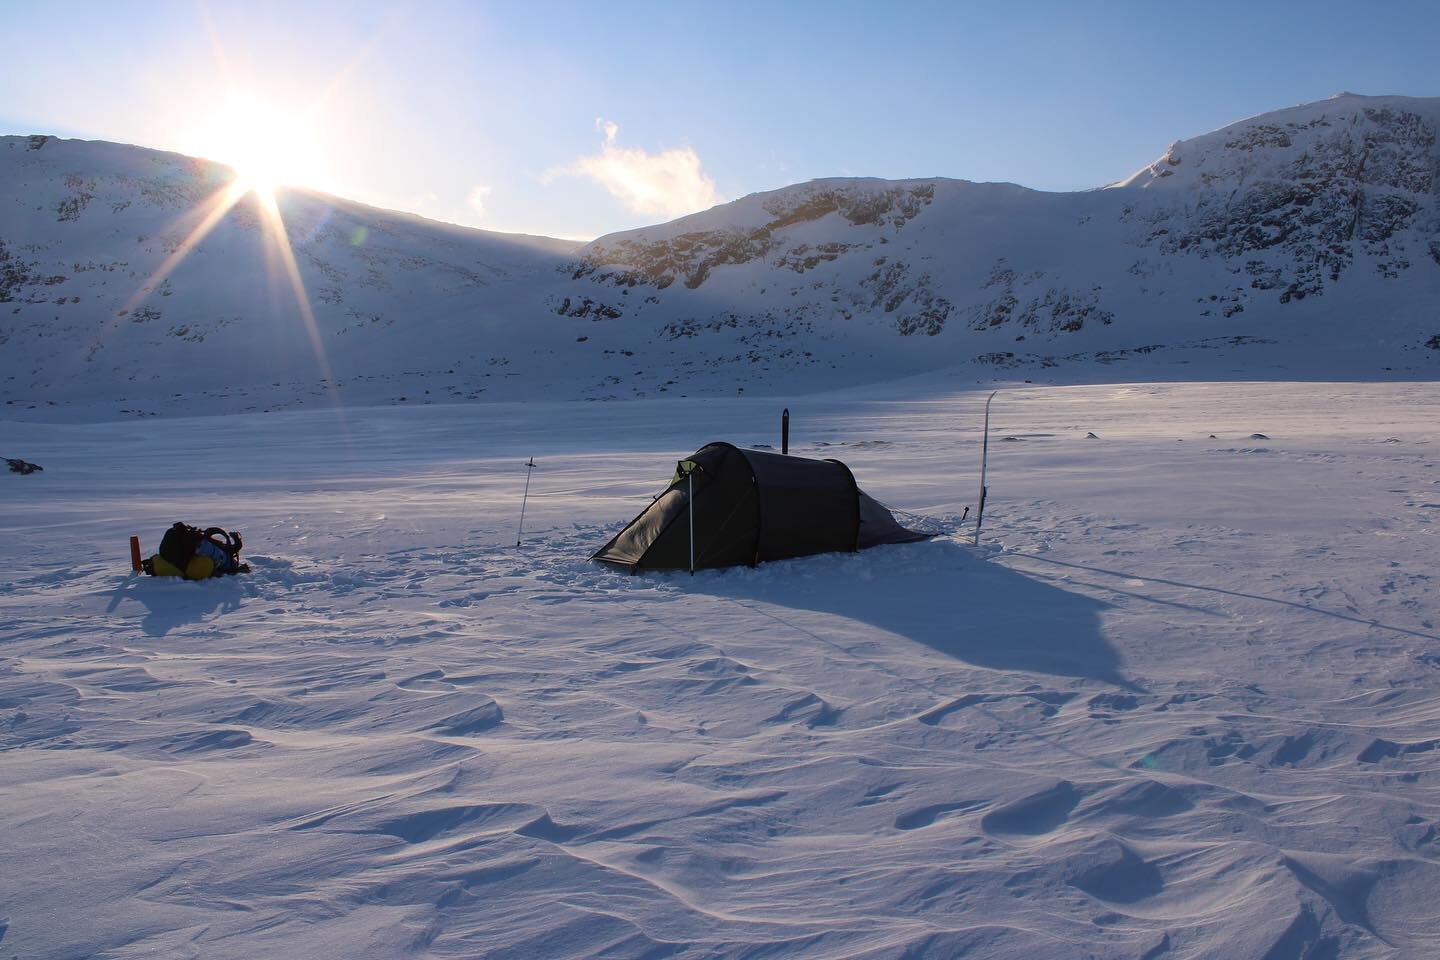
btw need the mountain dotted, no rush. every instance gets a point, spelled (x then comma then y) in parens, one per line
(1300, 243)
(91, 312)
(1317, 227)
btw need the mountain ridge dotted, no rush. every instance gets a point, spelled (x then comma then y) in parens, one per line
(1297, 241)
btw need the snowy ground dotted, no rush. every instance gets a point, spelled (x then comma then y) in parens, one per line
(1184, 705)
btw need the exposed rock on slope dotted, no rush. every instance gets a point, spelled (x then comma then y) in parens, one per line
(659, 257)
(1298, 195)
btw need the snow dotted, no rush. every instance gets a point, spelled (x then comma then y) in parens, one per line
(1179, 702)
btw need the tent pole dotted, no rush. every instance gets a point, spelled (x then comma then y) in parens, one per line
(690, 509)
(984, 459)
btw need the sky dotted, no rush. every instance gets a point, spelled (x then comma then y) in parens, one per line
(579, 119)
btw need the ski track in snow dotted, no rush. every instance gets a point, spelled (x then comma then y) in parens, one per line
(1181, 702)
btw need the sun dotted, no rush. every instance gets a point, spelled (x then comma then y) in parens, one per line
(268, 146)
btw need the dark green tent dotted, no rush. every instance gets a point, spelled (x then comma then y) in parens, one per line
(750, 507)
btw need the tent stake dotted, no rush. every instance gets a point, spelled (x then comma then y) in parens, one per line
(785, 431)
(984, 458)
(529, 468)
(690, 509)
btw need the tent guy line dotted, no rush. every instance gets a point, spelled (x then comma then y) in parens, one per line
(1235, 593)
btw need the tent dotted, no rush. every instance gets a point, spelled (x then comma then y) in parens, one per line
(749, 507)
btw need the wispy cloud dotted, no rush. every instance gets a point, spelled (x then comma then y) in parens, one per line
(667, 184)
(475, 200)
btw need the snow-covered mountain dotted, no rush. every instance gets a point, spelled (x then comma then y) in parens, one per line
(1304, 242)
(1316, 226)
(93, 307)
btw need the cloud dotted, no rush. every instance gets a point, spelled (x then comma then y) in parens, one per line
(475, 200)
(667, 184)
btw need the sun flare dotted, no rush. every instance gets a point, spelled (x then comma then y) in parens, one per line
(267, 146)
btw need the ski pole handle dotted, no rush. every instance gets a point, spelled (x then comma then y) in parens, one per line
(135, 554)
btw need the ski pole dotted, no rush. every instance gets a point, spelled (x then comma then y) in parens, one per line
(984, 459)
(529, 468)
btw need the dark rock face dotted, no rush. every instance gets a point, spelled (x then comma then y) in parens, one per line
(1036, 306)
(16, 275)
(588, 308)
(1310, 196)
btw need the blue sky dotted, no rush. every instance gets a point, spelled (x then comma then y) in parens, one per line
(572, 119)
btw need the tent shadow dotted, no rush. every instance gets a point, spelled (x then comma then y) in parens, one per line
(170, 604)
(941, 594)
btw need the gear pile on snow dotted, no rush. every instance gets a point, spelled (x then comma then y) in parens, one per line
(196, 554)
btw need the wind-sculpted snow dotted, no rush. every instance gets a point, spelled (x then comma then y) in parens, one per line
(1179, 703)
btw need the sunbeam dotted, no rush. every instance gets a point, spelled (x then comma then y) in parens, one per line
(275, 239)
(216, 206)
(275, 232)
(268, 144)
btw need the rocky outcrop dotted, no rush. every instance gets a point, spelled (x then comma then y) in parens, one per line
(691, 256)
(1299, 197)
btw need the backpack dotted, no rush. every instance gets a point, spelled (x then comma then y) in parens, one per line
(196, 554)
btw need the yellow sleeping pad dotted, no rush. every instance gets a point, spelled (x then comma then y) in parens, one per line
(198, 568)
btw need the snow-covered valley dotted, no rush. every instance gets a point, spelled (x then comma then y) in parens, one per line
(1180, 702)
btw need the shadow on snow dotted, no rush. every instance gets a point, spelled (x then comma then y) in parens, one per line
(944, 596)
(170, 603)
